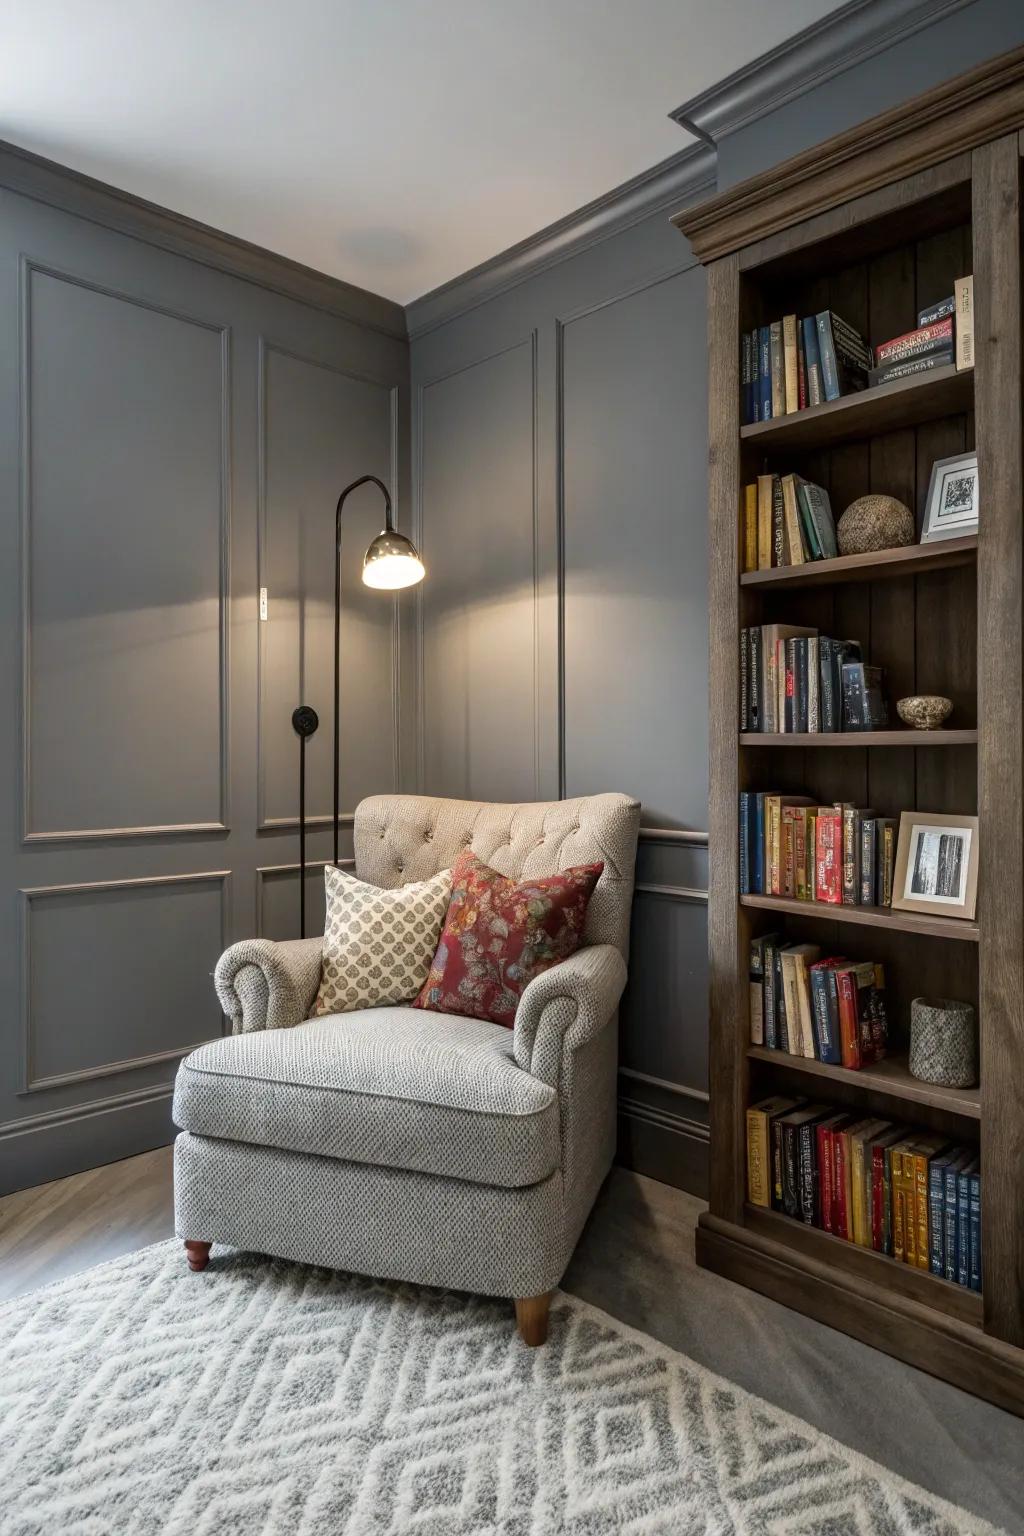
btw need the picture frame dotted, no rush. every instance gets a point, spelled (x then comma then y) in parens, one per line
(936, 870)
(952, 507)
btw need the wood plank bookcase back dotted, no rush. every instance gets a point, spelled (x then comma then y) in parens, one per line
(876, 224)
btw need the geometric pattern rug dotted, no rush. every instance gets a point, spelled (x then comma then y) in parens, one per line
(262, 1398)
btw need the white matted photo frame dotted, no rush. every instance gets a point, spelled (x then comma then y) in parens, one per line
(952, 507)
(936, 864)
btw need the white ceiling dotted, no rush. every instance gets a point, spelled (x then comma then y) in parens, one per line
(393, 143)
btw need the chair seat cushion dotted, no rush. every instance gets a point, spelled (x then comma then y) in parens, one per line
(393, 1087)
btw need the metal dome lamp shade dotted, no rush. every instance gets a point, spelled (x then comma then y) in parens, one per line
(392, 562)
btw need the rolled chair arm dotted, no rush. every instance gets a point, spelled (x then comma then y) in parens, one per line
(263, 985)
(574, 999)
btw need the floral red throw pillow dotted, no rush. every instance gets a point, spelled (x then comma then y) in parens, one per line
(500, 933)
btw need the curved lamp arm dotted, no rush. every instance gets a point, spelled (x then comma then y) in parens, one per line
(389, 525)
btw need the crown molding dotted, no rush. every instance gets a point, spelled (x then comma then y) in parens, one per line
(950, 119)
(657, 190)
(856, 32)
(73, 192)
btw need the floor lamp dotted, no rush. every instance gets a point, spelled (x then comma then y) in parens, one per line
(390, 563)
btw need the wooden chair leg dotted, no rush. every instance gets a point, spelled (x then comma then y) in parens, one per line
(532, 1318)
(198, 1255)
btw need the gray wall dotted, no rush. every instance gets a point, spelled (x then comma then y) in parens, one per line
(559, 489)
(171, 438)
(559, 482)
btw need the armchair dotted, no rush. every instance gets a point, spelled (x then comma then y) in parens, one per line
(406, 1144)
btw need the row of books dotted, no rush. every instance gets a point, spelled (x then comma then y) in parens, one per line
(830, 1010)
(787, 520)
(795, 362)
(840, 854)
(880, 1185)
(792, 363)
(794, 680)
(944, 334)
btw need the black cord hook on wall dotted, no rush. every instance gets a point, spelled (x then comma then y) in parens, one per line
(304, 722)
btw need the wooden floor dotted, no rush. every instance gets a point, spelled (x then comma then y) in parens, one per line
(60, 1228)
(635, 1261)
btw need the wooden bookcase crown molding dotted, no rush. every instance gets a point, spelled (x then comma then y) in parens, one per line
(961, 114)
(872, 229)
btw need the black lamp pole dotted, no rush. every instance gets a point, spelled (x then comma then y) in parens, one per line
(389, 528)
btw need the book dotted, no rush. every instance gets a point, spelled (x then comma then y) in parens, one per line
(757, 846)
(764, 354)
(755, 376)
(950, 1228)
(817, 509)
(779, 993)
(894, 1157)
(764, 522)
(801, 367)
(790, 364)
(745, 817)
(852, 822)
(755, 670)
(924, 1150)
(791, 1124)
(771, 1031)
(750, 526)
(963, 1221)
(773, 807)
(825, 1003)
(864, 706)
(909, 366)
(860, 1166)
(868, 843)
(845, 359)
(974, 1278)
(772, 679)
(778, 370)
(926, 338)
(825, 1130)
(885, 833)
(815, 390)
(849, 1017)
(804, 956)
(746, 374)
(799, 828)
(745, 679)
(813, 685)
(877, 1176)
(937, 311)
(759, 1167)
(963, 294)
(778, 523)
(757, 974)
(797, 551)
(828, 855)
(936, 1209)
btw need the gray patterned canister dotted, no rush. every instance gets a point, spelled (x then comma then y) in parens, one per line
(943, 1042)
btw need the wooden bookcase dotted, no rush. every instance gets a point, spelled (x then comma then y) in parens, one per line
(876, 224)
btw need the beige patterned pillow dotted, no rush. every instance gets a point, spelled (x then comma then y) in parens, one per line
(378, 945)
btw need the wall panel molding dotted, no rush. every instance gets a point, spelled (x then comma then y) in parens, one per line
(266, 872)
(531, 338)
(266, 347)
(27, 269)
(28, 897)
(57, 185)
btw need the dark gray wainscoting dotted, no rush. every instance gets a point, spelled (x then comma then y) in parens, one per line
(559, 448)
(172, 438)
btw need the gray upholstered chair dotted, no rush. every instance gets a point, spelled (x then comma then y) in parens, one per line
(405, 1144)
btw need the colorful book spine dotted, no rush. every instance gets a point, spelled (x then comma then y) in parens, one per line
(963, 295)
(764, 353)
(949, 1219)
(815, 389)
(926, 338)
(963, 1226)
(975, 1199)
(898, 1204)
(828, 856)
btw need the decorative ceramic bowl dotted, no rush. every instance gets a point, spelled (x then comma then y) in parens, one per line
(925, 711)
(874, 522)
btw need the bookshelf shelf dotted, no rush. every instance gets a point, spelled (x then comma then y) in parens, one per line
(891, 1077)
(913, 560)
(919, 1285)
(870, 917)
(875, 226)
(910, 738)
(886, 408)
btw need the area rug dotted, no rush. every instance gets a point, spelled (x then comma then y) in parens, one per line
(261, 1398)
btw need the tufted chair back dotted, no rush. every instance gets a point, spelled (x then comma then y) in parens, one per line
(399, 838)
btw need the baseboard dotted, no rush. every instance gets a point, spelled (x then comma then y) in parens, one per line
(663, 1145)
(50, 1146)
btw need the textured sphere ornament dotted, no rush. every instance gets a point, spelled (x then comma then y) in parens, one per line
(924, 711)
(874, 522)
(943, 1042)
